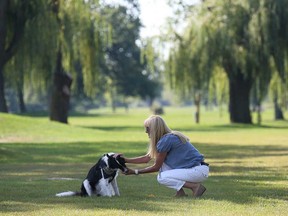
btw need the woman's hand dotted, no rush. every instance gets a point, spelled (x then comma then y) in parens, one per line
(129, 172)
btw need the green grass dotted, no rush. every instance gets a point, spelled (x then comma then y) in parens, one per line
(248, 165)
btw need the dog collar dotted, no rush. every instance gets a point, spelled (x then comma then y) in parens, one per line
(108, 171)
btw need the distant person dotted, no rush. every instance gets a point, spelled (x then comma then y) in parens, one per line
(179, 163)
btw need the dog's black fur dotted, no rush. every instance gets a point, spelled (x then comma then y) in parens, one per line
(105, 169)
(95, 174)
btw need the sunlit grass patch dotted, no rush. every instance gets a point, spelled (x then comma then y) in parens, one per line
(248, 165)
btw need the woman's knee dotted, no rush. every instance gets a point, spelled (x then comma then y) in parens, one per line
(161, 179)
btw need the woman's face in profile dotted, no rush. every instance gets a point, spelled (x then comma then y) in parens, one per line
(147, 130)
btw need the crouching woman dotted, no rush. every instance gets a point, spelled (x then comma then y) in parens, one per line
(179, 163)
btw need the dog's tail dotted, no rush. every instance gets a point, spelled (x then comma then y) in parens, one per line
(68, 193)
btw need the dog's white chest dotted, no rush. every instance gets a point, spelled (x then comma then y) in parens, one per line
(106, 187)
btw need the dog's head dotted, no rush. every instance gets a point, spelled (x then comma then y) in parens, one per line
(115, 162)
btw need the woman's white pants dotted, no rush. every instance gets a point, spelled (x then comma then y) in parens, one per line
(176, 178)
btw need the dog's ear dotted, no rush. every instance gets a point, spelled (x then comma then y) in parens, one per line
(121, 160)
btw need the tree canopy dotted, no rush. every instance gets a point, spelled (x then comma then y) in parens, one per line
(245, 38)
(91, 42)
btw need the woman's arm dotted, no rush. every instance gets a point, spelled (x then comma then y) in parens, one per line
(138, 160)
(154, 168)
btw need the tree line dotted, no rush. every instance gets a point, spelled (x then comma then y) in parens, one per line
(62, 47)
(236, 46)
(233, 51)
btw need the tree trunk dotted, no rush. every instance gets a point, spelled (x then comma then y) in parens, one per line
(20, 95)
(277, 110)
(3, 31)
(197, 101)
(9, 40)
(259, 116)
(239, 93)
(60, 98)
(3, 103)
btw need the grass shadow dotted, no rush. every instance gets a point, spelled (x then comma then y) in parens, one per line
(26, 169)
(116, 128)
(229, 127)
(223, 152)
(245, 189)
(71, 114)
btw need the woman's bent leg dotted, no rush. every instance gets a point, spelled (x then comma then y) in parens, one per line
(187, 178)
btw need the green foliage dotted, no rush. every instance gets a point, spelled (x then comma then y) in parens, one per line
(78, 29)
(122, 65)
(97, 42)
(245, 38)
(35, 59)
(278, 90)
(148, 55)
(84, 35)
(218, 88)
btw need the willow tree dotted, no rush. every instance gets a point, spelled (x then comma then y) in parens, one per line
(61, 34)
(30, 68)
(227, 35)
(82, 33)
(238, 36)
(261, 43)
(277, 37)
(14, 16)
(278, 94)
(259, 61)
(190, 65)
(218, 88)
(187, 75)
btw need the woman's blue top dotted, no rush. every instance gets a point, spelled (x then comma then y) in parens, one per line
(179, 155)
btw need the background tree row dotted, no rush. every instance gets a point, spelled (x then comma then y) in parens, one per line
(62, 41)
(245, 39)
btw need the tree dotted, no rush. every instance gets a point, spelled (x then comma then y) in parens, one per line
(64, 33)
(239, 37)
(191, 66)
(13, 17)
(30, 67)
(15, 77)
(277, 33)
(277, 93)
(60, 96)
(128, 75)
(228, 39)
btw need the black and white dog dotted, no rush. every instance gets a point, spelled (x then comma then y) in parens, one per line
(101, 178)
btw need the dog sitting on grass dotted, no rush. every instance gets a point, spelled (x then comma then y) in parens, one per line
(101, 179)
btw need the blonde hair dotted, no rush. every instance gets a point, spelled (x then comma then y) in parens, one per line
(157, 128)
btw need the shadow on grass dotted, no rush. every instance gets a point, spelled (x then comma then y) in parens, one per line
(198, 128)
(26, 169)
(116, 128)
(246, 188)
(90, 151)
(230, 127)
(63, 153)
(71, 114)
(224, 152)
(39, 194)
(237, 180)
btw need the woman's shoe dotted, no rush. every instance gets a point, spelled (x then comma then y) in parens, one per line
(200, 191)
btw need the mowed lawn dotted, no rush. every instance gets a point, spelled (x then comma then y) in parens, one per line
(39, 158)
